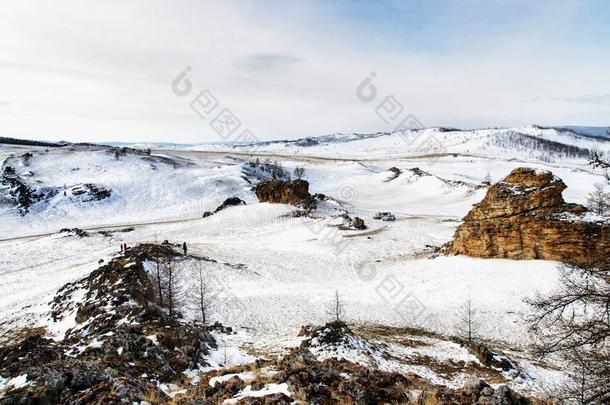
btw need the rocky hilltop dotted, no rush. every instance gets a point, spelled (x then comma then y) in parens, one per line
(525, 216)
(113, 345)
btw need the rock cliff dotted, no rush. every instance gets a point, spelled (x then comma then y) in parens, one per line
(525, 216)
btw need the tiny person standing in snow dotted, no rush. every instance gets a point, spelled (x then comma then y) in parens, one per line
(184, 247)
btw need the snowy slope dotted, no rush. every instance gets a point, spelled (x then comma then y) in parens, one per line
(531, 143)
(142, 189)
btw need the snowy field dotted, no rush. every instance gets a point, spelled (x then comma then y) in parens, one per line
(278, 272)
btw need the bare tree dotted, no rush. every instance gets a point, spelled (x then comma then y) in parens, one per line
(582, 385)
(468, 322)
(335, 309)
(596, 159)
(172, 285)
(201, 295)
(299, 172)
(598, 200)
(574, 322)
(158, 279)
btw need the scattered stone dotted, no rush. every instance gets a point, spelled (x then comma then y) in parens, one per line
(75, 231)
(419, 172)
(384, 216)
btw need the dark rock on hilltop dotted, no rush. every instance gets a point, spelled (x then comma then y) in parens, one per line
(23, 195)
(295, 192)
(229, 202)
(524, 216)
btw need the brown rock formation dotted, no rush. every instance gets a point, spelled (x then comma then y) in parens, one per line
(295, 192)
(525, 217)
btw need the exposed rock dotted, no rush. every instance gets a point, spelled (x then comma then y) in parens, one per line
(90, 192)
(335, 381)
(394, 173)
(23, 195)
(474, 392)
(358, 223)
(489, 358)
(229, 202)
(419, 172)
(273, 399)
(74, 231)
(525, 217)
(333, 333)
(295, 192)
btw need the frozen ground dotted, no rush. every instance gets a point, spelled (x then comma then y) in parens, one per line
(275, 272)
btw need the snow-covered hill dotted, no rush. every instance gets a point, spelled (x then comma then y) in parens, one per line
(531, 143)
(64, 185)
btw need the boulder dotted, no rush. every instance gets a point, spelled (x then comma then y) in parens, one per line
(525, 216)
(295, 192)
(358, 223)
(230, 202)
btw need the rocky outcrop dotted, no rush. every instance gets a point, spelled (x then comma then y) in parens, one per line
(22, 195)
(90, 192)
(295, 192)
(525, 216)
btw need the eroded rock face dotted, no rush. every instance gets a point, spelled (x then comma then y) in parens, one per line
(295, 192)
(524, 216)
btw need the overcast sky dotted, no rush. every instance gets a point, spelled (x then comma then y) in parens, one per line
(85, 70)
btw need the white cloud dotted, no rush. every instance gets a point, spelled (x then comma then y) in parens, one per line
(85, 70)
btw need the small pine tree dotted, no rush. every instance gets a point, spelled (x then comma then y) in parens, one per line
(299, 172)
(468, 324)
